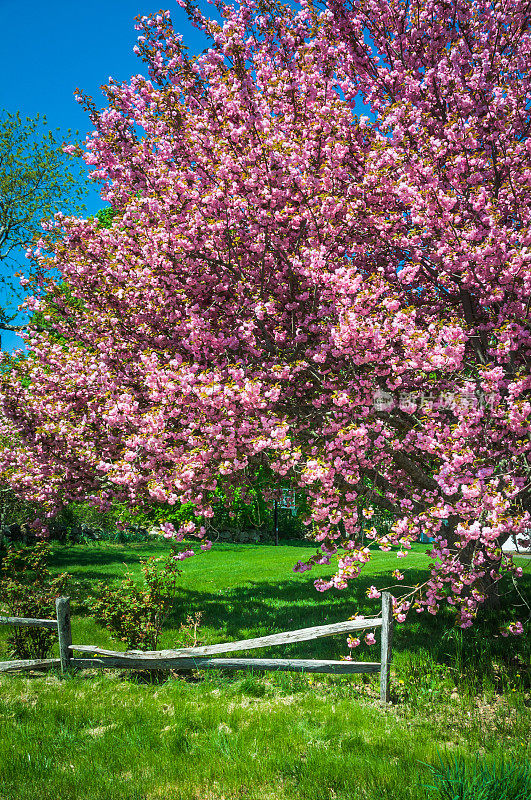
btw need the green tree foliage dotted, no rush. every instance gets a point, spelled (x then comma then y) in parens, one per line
(105, 216)
(50, 313)
(37, 179)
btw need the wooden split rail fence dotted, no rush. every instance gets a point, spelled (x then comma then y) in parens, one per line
(201, 657)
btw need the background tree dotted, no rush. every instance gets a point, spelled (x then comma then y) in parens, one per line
(37, 179)
(284, 284)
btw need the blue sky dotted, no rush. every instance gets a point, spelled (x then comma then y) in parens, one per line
(50, 48)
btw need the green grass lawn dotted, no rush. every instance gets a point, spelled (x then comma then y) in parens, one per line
(242, 590)
(282, 736)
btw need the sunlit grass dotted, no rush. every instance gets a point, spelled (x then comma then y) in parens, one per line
(100, 736)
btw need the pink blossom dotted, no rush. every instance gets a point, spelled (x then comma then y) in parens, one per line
(516, 628)
(168, 530)
(183, 554)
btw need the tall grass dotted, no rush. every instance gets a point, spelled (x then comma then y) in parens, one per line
(103, 737)
(459, 779)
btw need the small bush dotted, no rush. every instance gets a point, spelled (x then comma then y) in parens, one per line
(135, 613)
(506, 780)
(189, 630)
(27, 589)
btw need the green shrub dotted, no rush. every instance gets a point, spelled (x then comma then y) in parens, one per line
(27, 589)
(135, 613)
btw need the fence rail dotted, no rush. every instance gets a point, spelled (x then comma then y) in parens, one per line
(23, 664)
(29, 622)
(199, 657)
(301, 635)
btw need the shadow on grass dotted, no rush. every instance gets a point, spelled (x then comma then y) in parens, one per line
(271, 607)
(102, 561)
(66, 558)
(264, 607)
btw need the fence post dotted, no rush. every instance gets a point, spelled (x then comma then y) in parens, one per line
(62, 606)
(387, 641)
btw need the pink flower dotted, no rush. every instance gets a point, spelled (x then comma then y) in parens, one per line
(184, 554)
(516, 628)
(370, 638)
(373, 593)
(353, 641)
(187, 528)
(301, 566)
(168, 531)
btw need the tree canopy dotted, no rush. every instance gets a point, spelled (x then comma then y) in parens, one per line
(341, 299)
(37, 179)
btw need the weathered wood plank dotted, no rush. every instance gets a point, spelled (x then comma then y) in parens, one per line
(29, 622)
(23, 664)
(62, 605)
(261, 664)
(302, 635)
(88, 663)
(387, 642)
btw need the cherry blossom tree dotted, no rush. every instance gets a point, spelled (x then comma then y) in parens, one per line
(340, 299)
